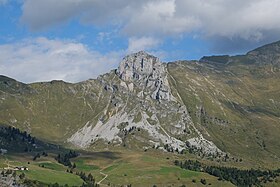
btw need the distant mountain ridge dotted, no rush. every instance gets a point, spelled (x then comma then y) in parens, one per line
(267, 54)
(220, 105)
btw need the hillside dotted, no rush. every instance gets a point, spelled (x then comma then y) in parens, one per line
(216, 107)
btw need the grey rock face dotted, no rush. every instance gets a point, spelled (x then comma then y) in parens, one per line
(138, 66)
(147, 72)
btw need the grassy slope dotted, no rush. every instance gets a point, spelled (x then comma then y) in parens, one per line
(237, 93)
(122, 167)
(52, 173)
(52, 111)
(142, 169)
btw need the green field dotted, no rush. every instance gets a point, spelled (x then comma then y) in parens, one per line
(126, 167)
(51, 176)
(52, 172)
(142, 170)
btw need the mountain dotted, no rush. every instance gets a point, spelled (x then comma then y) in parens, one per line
(268, 54)
(219, 106)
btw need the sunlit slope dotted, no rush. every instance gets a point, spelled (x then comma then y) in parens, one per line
(53, 110)
(236, 101)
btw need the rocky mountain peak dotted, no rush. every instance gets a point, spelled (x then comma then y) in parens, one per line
(138, 65)
(148, 73)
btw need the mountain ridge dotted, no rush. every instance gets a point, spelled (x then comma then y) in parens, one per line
(208, 109)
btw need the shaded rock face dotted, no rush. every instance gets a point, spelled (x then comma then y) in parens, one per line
(147, 72)
(138, 66)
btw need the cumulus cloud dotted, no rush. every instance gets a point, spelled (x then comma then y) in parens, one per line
(249, 20)
(159, 18)
(142, 43)
(42, 59)
(40, 14)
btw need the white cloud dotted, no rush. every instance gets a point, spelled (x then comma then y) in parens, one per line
(159, 18)
(41, 59)
(40, 14)
(142, 43)
(250, 19)
(235, 18)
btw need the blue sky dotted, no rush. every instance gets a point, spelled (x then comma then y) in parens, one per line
(74, 40)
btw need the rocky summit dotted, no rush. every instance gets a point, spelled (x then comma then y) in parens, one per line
(147, 72)
(139, 66)
(217, 106)
(141, 95)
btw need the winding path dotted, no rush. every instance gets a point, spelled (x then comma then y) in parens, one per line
(105, 176)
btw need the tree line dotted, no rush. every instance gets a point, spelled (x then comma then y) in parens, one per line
(65, 158)
(12, 138)
(252, 177)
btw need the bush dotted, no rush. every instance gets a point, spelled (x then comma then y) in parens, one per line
(203, 181)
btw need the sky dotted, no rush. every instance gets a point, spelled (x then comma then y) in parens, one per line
(75, 40)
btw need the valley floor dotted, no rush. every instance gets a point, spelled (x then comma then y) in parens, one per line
(113, 169)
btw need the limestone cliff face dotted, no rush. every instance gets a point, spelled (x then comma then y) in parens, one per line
(138, 66)
(147, 72)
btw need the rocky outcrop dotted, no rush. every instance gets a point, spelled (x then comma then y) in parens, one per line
(139, 66)
(148, 73)
(141, 99)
